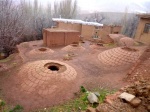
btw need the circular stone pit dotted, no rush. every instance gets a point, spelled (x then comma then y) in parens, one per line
(119, 56)
(74, 45)
(40, 50)
(55, 67)
(34, 45)
(45, 76)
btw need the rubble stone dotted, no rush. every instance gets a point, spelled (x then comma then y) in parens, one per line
(90, 109)
(92, 98)
(135, 102)
(148, 108)
(126, 96)
(99, 109)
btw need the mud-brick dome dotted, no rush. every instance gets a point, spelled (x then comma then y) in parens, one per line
(119, 56)
(45, 76)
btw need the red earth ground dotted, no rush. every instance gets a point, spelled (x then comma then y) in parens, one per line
(91, 73)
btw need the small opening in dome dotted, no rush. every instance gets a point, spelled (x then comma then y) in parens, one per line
(53, 68)
(34, 45)
(75, 44)
(42, 49)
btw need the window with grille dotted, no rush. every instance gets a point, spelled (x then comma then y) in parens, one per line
(147, 28)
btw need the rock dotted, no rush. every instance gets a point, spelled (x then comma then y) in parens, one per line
(108, 101)
(67, 57)
(148, 99)
(137, 83)
(92, 98)
(148, 108)
(90, 109)
(145, 93)
(100, 109)
(148, 87)
(97, 94)
(131, 91)
(122, 89)
(110, 98)
(126, 96)
(135, 102)
(0, 104)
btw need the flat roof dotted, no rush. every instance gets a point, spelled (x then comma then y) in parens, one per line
(76, 21)
(59, 30)
(146, 16)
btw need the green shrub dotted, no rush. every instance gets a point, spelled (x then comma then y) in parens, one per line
(17, 108)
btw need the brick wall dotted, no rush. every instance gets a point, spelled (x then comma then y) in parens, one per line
(69, 26)
(59, 38)
(87, 31)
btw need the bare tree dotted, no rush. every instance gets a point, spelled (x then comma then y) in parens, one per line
(99, 17)
(48, 15)
(129, 24)
(25, 21)
(66, 8)
(11, 25)
(124, 21)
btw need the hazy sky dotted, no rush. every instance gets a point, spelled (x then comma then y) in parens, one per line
(108, 5)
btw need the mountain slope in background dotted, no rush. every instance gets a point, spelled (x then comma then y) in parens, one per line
(118, 6)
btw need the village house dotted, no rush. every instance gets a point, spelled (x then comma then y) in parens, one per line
(68, 31)
(143, 29)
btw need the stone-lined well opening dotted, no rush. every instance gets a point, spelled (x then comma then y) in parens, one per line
(42, 49)
(55, 67)
(34, 45)
(75, 44)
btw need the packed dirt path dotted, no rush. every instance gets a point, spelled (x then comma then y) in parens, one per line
(91, 73)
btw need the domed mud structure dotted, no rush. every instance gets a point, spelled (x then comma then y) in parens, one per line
(40, 50)
(119, 56)
(46, 76)
(73, 47)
